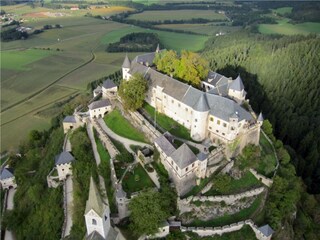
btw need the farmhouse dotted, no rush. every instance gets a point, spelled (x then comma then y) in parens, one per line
(215, 113)
(97, 216)
(99, 108)
(7, 178)
(63, 164)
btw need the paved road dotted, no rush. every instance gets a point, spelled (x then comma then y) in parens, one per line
(125, 141)
(93, 143)
(69, 199)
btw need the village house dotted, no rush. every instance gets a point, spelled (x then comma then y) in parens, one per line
(7, 178)
(63, 164)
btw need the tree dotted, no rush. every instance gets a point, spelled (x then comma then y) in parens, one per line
(189, 67)
(133, 92)
(167, 62)
(147, 213)
(192, 68)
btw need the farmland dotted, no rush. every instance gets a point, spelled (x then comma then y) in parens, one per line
(170, 40)
(60, 62)
(177, 15)
(286, 28)
(205, 28)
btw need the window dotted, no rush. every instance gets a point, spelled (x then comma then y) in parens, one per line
(225, 125)
(179, 105)
(210, 128)
(218, 122)
(171, 162)
(192, 164)
(232, 128)
(105, 218)
(211, 119)
(176, 168)
(94, 222)
(217, 131)
(172, 101)
(186, 109)
(223, 134)
(196, 120)
(186, 169)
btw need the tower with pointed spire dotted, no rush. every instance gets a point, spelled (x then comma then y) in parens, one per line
(158, 48)
(260, 119)
(97, 216)
(126, 68)
(236, 90)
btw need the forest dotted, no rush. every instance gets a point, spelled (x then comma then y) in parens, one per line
(135, 42)
(282, 80)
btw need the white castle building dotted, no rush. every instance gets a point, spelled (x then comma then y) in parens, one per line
(215, 113)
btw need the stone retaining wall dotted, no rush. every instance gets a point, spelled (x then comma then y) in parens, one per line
(209, 231)
(229, 199)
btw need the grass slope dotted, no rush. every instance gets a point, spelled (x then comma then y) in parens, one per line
(121, 126)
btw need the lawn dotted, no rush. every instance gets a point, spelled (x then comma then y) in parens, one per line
(201, 28)
(121, 126)
(247, 182)
(177, 15)
(136, 180)
(167, 123)
(18, 60)
(286, 28)
(244, 214)
(170, 40)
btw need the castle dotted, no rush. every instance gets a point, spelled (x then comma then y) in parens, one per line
(214, 113)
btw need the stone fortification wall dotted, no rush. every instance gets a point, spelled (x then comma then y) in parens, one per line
(229, 199)
(251, 136)
(266, 181)
(143, 125)
(209, 231)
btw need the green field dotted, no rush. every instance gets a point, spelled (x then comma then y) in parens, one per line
(177, 15)
(170, 40)
(17, 60)
(201, 28)
(286, 28)
(283, 10)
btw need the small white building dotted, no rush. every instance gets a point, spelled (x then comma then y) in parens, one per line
(97, 216)
(71, 123)
(109, 89)
(63, 164)
(264, 233)
(7, 178)
(99, 108)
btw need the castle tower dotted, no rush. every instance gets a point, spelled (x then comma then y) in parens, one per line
(122, 202)
(260, 119)
(236, 90)
(158, 48)
(199, 118)
(97, 214)
(126, 68)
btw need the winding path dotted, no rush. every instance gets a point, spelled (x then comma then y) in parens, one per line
(8, 234)
(125, 141)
